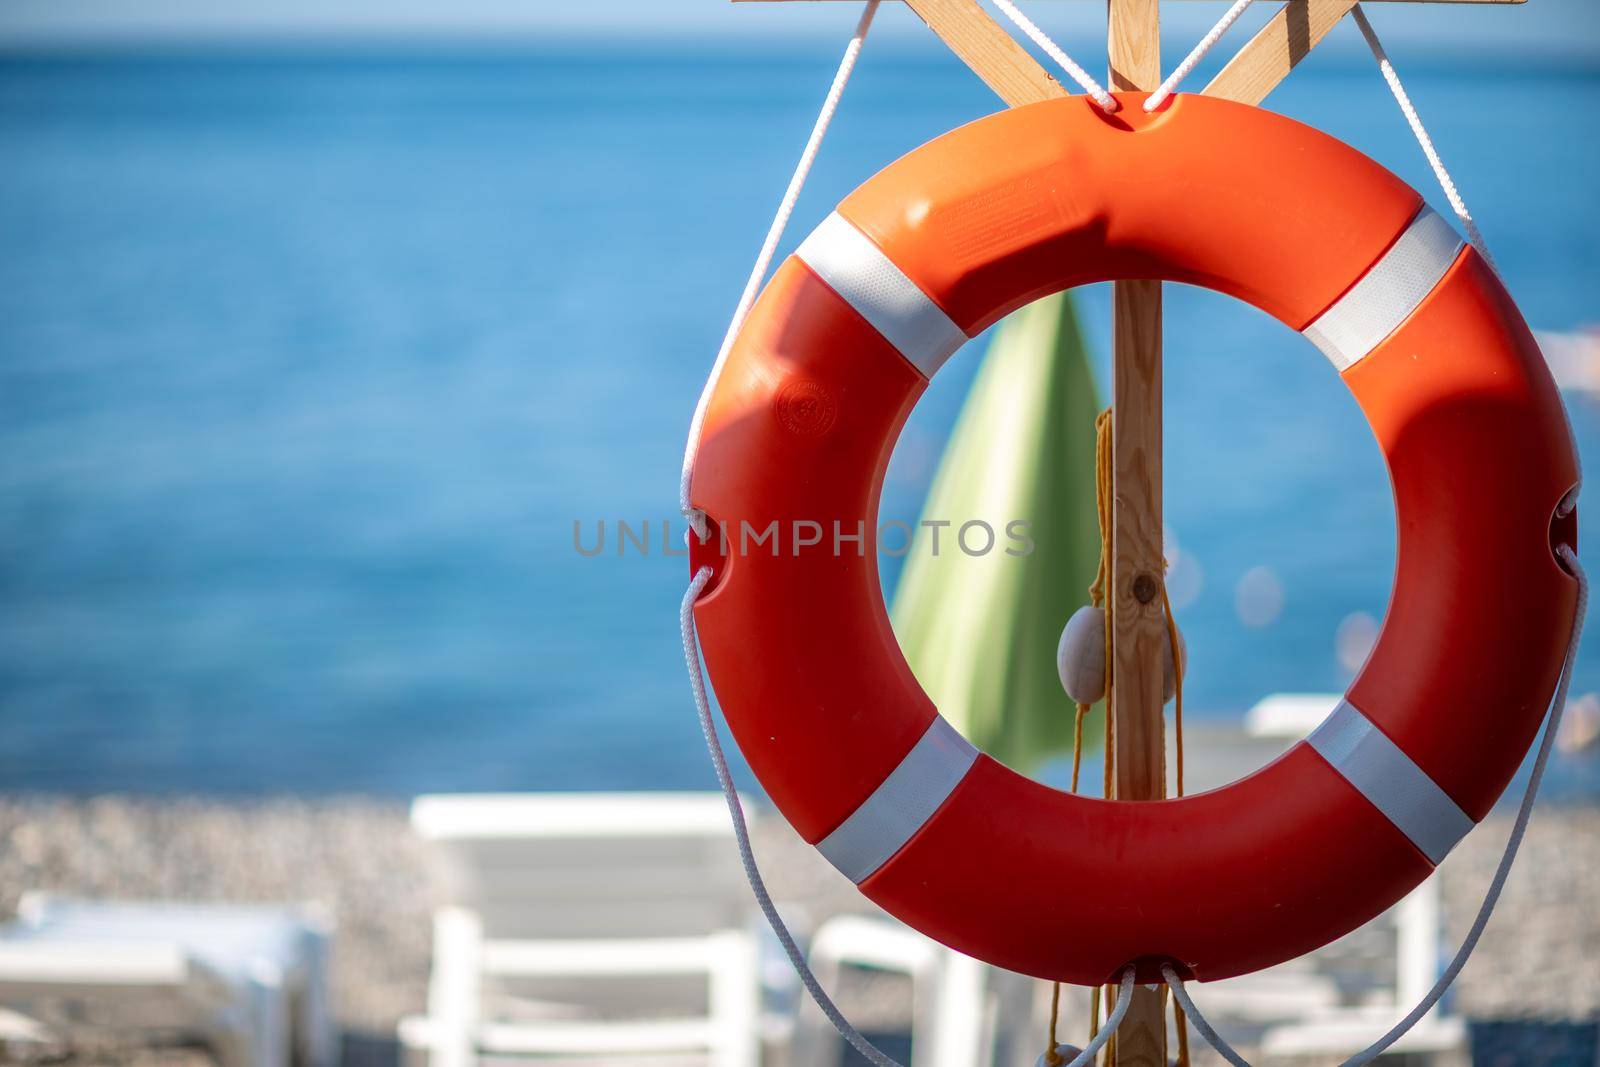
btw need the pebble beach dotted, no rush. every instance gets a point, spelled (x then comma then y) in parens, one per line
(357, 859)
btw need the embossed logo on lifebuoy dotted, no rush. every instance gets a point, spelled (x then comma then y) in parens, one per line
(1001, 219)
(805, 408)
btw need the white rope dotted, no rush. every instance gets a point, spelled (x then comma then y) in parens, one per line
(758, 885)
(1199, 1022)
(758, 273)
(1119, 1011)
(1409, 110)
(1490, 898)
(1196, 54)
(1075, 71)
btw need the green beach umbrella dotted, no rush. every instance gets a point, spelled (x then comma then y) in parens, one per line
(980, 628)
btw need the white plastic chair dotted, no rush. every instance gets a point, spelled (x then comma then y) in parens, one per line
(589, 927)
(249, 981)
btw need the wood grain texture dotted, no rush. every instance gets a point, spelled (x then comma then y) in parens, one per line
(1133, 48)
(1133, 43)
(1139, 628)
(1276, 49)
(992, 53)
(1139, 764)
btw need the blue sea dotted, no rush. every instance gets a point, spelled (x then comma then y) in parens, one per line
(309, 363)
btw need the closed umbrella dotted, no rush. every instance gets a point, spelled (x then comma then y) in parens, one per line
(978, 621)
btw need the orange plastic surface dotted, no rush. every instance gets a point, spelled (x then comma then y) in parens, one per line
(804, 417)
(1041, 198)
(1478, 449)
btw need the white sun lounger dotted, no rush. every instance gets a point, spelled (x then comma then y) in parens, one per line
(964, 1012)
(587, 927)
(1300, 1009)
(249, 981)
(1343, 1030)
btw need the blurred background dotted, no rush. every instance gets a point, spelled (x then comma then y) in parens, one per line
(326, 328)
(319, 333)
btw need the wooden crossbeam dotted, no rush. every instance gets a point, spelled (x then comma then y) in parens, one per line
(1276, 49)
(992, 53)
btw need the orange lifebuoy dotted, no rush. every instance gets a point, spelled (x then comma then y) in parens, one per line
(944, 242)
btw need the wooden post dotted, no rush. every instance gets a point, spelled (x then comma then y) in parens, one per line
(1138, 756)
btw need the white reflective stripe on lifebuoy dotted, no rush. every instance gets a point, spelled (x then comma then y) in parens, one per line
(868, 280)
(900, 806)
(1390, 291)
(1382, 772)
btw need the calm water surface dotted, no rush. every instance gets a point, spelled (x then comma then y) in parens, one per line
(309, 364)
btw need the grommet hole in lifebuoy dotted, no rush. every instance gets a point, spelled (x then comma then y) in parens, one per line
(1564, 527)
(948, 240)
(708, 547)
